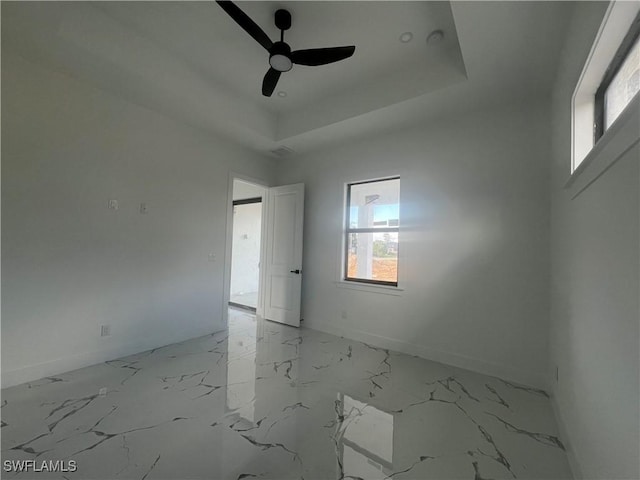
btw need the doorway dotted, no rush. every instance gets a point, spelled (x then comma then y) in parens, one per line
(246, 244)
(275, 237)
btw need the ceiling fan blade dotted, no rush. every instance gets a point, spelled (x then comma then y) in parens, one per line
(321, 56)
(246, 23)
(270, 81)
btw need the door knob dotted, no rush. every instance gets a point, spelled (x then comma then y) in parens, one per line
(297, 272)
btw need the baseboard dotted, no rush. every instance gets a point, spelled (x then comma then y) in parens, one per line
(85, 359)
(530, 379)
(31, 373)
(574, 464)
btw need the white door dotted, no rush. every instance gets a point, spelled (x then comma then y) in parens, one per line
(285, 209)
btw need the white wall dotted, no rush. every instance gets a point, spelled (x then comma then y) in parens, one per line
(594, 291)
(69, 264)
(473, 255)
(245, 256)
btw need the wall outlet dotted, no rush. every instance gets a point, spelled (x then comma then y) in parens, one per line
(212, 257)
(105, 330)
(113, 204)
(143, 208)
(103, 392)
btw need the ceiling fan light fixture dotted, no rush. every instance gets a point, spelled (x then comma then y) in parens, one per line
(280, 62)
(279, 58)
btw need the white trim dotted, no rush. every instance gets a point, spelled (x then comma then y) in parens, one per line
(621, 136)
(615, 24)
(370, 287)
(531, 379)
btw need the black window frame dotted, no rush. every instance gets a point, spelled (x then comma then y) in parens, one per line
(349, 230)
(614, 67)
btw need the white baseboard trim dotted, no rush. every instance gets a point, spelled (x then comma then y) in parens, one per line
(574, 464)
(85, 359)
(69, 363)
(485, 367)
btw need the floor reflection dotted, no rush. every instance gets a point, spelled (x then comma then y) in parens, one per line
(241, 365)
(365, 439)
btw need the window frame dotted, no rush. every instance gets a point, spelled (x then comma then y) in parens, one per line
(616, 63)
(348, 230)
(585, 159)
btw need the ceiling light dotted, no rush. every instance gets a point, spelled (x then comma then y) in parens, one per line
(406, 37)
(279, 57)
(282, 93)
(280, 63)
(435, 37)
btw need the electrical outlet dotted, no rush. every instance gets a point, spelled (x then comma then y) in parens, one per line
(212, 257)
(105, 330)
(143, 208)
(103, 392)
(113, 204)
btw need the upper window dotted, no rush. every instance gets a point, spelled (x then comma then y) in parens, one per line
(621, 81)
(609, 82)
(371, 231)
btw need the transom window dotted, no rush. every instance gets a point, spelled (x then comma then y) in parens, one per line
(371, 231)
(608, 85)
(621, 81)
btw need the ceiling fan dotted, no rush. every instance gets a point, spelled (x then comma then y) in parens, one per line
(281, 58)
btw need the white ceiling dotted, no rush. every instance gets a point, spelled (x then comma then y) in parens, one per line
(190, 61)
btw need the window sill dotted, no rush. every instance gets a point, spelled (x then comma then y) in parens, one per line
(367, 287)
(616, 141)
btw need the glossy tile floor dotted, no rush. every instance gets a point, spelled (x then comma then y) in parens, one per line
(272, 402)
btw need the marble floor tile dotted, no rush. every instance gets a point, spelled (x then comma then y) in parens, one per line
(267, 401)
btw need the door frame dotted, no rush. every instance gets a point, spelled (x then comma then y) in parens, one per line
(226, 290)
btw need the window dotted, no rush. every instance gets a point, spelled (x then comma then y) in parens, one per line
(621, 81)
(371, 231)
(607, 86)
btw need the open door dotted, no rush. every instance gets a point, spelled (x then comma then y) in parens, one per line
(283, 262)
